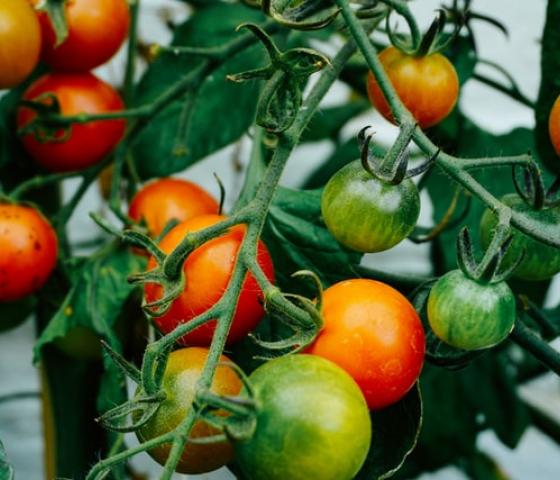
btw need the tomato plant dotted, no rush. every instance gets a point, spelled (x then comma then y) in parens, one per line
(96, 30)
(367, 214)
(340, 358)
(470, 315)
(20, 42)
(427, 85)
(183, 370)
(28, 251)
(374, 333)
(84, 145)
(540, 261)
(208, 271)
(170, 199)
(311, 410)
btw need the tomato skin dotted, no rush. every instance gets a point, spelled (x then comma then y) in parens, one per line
(96, 31)
(167, 199)
(20, 42)
(540, 261)
(313, 422)
(28, 251)
(428, 86)
(184, 368)
(89, 143)
(367, 214)
(554, 125)
(208, 270)
(374, 333)
(470, 315)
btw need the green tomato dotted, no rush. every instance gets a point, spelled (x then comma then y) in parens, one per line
(470, 315)
(312, 422)
(366, 214)
(540, 261)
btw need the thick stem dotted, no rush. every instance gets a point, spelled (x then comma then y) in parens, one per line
(131, 52)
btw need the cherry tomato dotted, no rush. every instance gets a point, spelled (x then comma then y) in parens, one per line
(28, 250)
(554, 125)
(470, 315)
(367, 214)
(96, 31)
(208, 270)
(540, 261)
(20, 42)
(170, 199)
(428, 86)
(88, 143)
(184, 368)
(312, 422)
(374, 333)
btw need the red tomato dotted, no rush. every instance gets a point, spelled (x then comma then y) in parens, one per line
(554, 125)
(90, 142)
(28, 250)
(428, 86)
(207, 274)
(96, 30)
(167, 199)
(20, 42)
(374, 333)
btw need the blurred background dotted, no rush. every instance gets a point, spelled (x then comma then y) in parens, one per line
(537, 457)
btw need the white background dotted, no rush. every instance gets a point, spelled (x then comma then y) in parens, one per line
(536, 457)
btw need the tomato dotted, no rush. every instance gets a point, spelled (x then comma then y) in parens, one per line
(374, 333)
(208, 270)
(20, 42)
(554, 125)
(428, 86)
(89, 143)
(470, 315)
(28, 250)
(96, 31)
(184, 368)
(170, 198)
(540, 261)
(312, 422)
(366, 214)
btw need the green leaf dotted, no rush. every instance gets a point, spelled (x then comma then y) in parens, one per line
(214, 115)
(395, 431)
(463, 57)
(483, 467)
(550, 85)
(6, 470)
(56, 11)
(298, 240)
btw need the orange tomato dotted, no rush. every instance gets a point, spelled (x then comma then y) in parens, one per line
(28, 250)
(554, 125)
(167, 199)
(208, 270)
(428, 86)
(374, 333)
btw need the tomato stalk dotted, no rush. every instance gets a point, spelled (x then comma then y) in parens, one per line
(128, 89)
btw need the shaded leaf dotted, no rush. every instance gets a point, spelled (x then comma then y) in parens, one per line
(6, 470)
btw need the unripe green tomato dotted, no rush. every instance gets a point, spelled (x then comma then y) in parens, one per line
(312, 422)
(366, 214)
(468, 314)
(540, 261)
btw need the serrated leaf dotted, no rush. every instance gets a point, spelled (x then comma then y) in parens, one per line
(298, 239)
(395, 431)
(214, 115)
(6, 470)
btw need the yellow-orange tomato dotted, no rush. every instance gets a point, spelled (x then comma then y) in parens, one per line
(554, 125)
(20, 41)
(170, 199)
(184, 368)
(428, 86)
(28, 250)
(374, 333)
(208, 270)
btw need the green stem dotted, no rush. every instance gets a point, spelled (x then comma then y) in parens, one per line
(402, 9)
(512, 92)
(526, 338)
(452, 166)
(131, 52)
